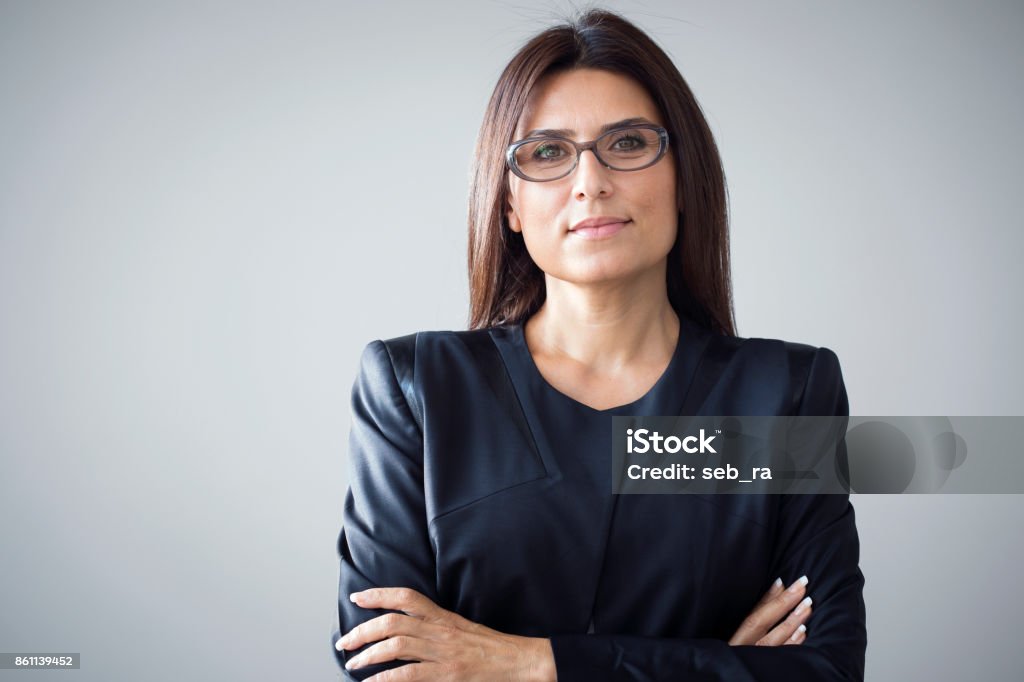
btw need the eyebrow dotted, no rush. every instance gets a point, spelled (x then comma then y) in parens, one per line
(565, 132)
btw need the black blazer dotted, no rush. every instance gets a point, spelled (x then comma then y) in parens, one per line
(451, 495)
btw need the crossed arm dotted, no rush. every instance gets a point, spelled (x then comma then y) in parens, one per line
(397, 631)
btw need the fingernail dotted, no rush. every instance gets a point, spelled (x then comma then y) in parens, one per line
(795, 587)
(777, 584)
(796, 635)
(802, 605)
(354, 663)
(354, 596)
(341, 643)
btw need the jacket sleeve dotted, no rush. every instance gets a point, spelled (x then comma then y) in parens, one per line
(383, 540)
(817, 536)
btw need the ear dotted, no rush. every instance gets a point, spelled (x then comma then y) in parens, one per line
(512, 217)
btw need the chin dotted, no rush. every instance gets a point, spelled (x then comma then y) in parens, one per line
(607, 268)
(600, 275)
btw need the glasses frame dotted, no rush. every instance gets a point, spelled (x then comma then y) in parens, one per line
(510, 153)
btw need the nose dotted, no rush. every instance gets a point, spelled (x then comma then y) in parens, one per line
(591, 179)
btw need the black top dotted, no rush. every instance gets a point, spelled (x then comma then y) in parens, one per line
(578, 438)
(477, 483)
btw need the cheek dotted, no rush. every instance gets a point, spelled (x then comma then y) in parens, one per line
(663, 200)
(540, 215)
(659, 205)
(542, 230)
(658, 198)
(667, 188)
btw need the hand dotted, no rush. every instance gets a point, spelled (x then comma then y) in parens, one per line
(443, 644)
(760, 629)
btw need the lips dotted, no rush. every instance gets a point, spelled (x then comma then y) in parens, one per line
(599, 227)
(598, 221)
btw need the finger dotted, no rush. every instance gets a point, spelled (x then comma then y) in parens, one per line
(797, 637)
(782, 603)
(764, 617)
(392, 625)
(773, 591)
(397, 598)
(375, 629)
(399, 648)
(414, 604)
(781, 633)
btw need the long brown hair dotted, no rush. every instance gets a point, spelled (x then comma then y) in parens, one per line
(505, 285)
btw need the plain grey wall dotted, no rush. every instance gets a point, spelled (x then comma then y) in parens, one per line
(207, 209)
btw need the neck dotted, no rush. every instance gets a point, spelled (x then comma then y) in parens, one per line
(608, 325)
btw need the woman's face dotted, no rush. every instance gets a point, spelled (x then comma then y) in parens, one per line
(583, 101)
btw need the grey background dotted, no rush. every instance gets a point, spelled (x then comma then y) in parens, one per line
(207, 209)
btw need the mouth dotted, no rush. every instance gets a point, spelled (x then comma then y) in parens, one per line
(602, 231)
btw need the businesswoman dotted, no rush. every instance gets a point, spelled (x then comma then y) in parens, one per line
(480, 538)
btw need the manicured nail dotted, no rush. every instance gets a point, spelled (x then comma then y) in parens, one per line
(802, 606)
(795, 587)
(341, 643)
(777, 584)
(354, 663)
(354, 596)
(796, 635)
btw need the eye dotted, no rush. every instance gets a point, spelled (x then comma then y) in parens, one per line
(629, 142)
(549, 150)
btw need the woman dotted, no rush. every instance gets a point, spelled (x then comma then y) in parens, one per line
(480, 539)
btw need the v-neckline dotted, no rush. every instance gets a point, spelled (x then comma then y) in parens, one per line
(519, 341)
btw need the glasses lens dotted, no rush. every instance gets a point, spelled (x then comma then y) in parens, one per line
(621, 149)
(546, 158)
(629, 148)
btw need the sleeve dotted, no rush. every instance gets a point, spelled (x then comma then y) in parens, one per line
(817, 536)
(383, 540)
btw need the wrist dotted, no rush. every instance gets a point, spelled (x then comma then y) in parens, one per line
(542, 661)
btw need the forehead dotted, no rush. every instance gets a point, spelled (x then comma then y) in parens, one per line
(582, 100)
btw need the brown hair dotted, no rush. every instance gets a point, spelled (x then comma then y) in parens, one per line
(505, 285)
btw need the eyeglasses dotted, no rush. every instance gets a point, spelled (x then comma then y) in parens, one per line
(630, 148)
